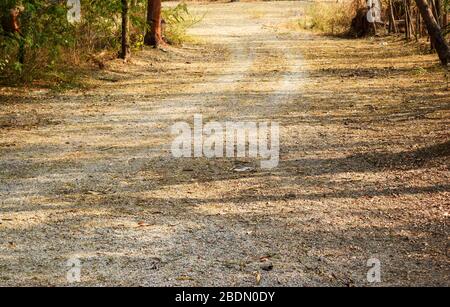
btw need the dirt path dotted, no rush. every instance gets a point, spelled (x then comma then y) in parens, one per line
(89, 175)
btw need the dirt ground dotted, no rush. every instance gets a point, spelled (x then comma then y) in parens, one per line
(363, 170)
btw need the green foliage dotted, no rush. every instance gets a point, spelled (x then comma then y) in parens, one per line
(100, 26)
(44, 31)
(47, 40)
(178, 20)
(419, 70)
(48, 44)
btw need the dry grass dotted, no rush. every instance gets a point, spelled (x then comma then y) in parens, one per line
(328, 17)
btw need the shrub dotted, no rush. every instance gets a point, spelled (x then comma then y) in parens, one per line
(329, 18)
(178, 20)
(44, 32)
(48, 45)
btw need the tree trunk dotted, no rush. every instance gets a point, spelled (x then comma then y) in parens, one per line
(445, 7)
(407, 21)
(434, 31)
(438, 8)
(392, 24)
(411, 23)
(148, 35)
(125, 53)
(11, 26)
(153, 37)
(444, 20)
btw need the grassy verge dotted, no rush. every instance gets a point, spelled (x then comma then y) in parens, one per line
(328, 17)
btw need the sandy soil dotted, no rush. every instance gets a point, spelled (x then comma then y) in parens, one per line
(363, 171)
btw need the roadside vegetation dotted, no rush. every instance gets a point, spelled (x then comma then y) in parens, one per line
(46, 49)
(328, 17)
(423, 21)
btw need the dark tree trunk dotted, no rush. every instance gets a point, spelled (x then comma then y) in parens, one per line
(445, 19)
(153, 36)
(392, 24)
(148, 36)
(434, 30)
(11, 26)
(125, 52)
(438, 8)
(445, 7)
(407, 21)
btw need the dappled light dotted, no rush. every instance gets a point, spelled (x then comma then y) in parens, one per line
(90, 171)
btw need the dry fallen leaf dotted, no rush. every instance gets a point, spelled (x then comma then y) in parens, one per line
(264, 258)
(181, 278)
(258, 277)
(143, 224)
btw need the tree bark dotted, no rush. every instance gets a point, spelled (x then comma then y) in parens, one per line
(438, 8)
(125, 53)
(11, 26)
(445, 7)
(148, 35)
(434, 30)
(392, 24)
(444, 20)
(417, 27)
(407, 21)
(153, 36)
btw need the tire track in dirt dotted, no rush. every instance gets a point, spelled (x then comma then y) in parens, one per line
(284, 88)
(293, 79)
(112, 190)
(211, 91)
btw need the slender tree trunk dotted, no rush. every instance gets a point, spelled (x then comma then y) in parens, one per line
(445, 15)
(434, 31)
(407, 20)
(21, 55)
(420, 29)
(411, 23)
(438, 8)
(392, 24)
(125, 53)
(148, 33)
(153, 36)
(445, 19)
(11, 26)
(419, 23)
